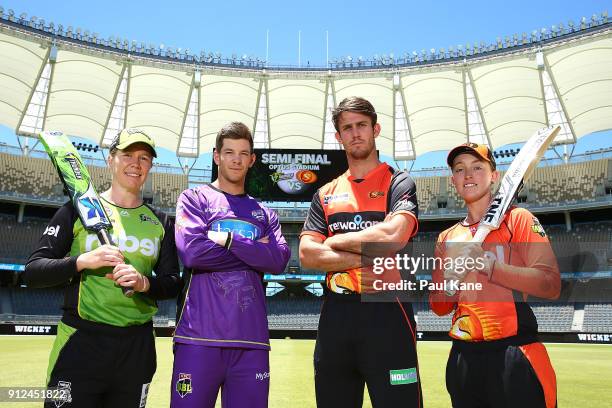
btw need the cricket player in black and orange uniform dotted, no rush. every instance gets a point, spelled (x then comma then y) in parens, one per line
(496, 359)
(360, 342)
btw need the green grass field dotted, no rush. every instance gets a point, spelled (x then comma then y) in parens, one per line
(583, 371)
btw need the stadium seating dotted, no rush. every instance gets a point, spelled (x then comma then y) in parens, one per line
(19, 239)
(37, 301)
(166, 189)
(597, 318)
(303, 312)
(36, 178)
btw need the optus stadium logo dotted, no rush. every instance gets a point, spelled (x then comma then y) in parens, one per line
(358, 223)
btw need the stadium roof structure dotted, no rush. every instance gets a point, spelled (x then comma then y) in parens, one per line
(500, 93)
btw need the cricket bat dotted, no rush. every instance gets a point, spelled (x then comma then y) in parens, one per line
(76, 179)
(511, 184)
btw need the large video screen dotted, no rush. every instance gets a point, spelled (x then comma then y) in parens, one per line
(291, 174)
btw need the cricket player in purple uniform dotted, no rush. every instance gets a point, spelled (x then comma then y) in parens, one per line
(226, 241)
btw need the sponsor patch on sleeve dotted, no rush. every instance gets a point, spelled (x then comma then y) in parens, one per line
(537, 228)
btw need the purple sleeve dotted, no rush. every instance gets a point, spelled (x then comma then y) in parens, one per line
(267, 258)
(194, 247)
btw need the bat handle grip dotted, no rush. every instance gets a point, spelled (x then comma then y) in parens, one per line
(106, 239)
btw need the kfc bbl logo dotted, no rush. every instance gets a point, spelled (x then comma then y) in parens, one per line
(183, 385)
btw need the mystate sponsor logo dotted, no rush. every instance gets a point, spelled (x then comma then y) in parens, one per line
(129, 244)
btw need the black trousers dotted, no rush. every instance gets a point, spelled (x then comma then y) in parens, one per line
(514, 376)
(102, 370)
(366, 343)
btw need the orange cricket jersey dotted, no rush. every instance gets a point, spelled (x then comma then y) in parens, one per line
(496, 312)
(348, 204)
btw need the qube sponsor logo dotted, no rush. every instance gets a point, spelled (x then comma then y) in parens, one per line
(238, 227)
(127, 243)
(356, 224)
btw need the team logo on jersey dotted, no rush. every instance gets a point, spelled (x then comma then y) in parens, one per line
(245, 296)
(183, 385)
(146, 218)
(259, 214)
(64, 396)
(537, 227)
(376, 194)
(329, 198)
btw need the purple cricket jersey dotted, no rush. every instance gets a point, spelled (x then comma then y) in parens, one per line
(225, 302)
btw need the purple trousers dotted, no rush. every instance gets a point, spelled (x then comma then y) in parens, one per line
(199, 371)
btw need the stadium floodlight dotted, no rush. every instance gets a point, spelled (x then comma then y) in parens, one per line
(594, 20)
(604, 17)
(1, 11)
(583, 23)
(561, 29)
(22, 17)
(11, 15)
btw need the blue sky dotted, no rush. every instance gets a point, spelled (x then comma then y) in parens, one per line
(357, 28)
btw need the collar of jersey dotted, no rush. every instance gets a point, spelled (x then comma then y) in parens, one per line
(373, 173)
(118, 206)
(226, 193)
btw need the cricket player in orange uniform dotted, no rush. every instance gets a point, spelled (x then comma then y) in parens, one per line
(373, 342)
(496, 359)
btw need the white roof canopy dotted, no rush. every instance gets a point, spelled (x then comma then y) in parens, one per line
(426, 107)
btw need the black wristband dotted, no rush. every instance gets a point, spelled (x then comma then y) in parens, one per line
(228, 241)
